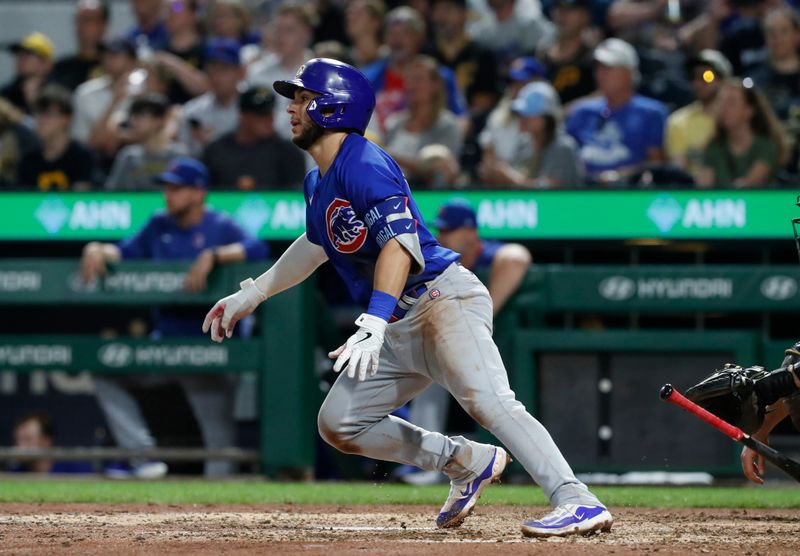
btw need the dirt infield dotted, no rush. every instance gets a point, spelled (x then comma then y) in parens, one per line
(402, 530)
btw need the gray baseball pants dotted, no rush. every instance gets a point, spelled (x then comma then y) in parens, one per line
(445, 338)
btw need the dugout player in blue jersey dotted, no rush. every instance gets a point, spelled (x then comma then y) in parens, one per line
(186, 231)
(428, 319)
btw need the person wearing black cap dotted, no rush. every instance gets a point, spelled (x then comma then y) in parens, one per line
(60, 163)
(151, 149)
(215, 113)
(98, 100)
(186, 231)
(569, 57)
(689, 129)
(254, 156)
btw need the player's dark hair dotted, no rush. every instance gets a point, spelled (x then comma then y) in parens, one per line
(54, 96)
(45, 422)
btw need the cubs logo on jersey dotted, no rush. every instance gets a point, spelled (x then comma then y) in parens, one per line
(345, 231)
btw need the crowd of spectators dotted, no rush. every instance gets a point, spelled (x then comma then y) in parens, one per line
(522, 94)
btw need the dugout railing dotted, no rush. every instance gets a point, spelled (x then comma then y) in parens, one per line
(280, 352)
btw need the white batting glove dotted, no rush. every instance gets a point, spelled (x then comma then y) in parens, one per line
(224, 315)
(363, 349)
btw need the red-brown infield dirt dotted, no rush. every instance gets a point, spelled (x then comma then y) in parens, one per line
(402, 530)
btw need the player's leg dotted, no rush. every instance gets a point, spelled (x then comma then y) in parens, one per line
(466, 361)
(429, 411)
(354, 418)
(126, 422)
(211, 398)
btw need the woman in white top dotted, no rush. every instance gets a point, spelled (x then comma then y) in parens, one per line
(425, 121)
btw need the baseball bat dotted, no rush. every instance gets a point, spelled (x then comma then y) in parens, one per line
(788, 465)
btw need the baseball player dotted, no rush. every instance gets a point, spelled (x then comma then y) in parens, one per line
(189, 231)
(428, 319)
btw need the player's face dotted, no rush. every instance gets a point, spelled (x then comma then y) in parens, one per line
(304, 131)
(460, 240)
(29, 435)
(180, 199)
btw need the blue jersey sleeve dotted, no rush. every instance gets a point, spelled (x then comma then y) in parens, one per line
(140, 246)
(254, 248)
(380, 195)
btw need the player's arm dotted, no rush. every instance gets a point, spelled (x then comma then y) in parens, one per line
(95, 259)
(361, 352)
(295, 265)
(197, 276)
(753, 463)
(509, 268)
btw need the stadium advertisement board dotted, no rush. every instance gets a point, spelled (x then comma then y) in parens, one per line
(722, 214)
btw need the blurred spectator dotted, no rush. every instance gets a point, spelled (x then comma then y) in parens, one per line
(652, 24)
(334, 50)
(329, 21)
(364, 27)
(253, 156)
(742, 39)
(439, 169)
(501, 140)
(186, 231)
(569, 58)
(749, 146)
(689, 129)
(34, 61)
(60, 163)
(779, 78)
(230, 19)
(149, 33)
(426, 121)
(513, 31)
(184, 57)
(91, 21)
(36, 431)
(555, 161)
(405, 36)
(210, 116)
(16, 141)
(474, 66)
(619, 132)
(292, 30)
(139, 163)
(99, 102)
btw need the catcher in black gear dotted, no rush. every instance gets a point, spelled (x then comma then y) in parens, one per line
(753, 399)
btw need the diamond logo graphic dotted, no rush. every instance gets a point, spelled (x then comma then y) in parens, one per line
(253, 213)
(52, 214)
(664, 211)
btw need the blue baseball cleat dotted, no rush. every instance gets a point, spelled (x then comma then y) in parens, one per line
(570, 519)
(464, 494)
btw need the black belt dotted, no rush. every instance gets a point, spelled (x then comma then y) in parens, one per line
(407, 300)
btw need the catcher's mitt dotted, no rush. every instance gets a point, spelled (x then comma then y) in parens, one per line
(730, 394)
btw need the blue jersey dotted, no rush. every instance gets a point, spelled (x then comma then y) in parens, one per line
(489, 249)
(362, 202)
(161, 239)
(610, 139)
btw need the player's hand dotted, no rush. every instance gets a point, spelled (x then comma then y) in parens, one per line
(196, 278)
(753, 465)
(224, 315)
(363, 349)
(93, 262)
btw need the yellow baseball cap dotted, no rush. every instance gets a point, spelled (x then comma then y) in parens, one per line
(35, 43)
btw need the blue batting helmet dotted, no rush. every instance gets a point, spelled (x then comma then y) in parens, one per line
(347, 97)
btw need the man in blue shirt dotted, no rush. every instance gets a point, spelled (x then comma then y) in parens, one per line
(186, 231)
(619, 132)
(428, 319)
